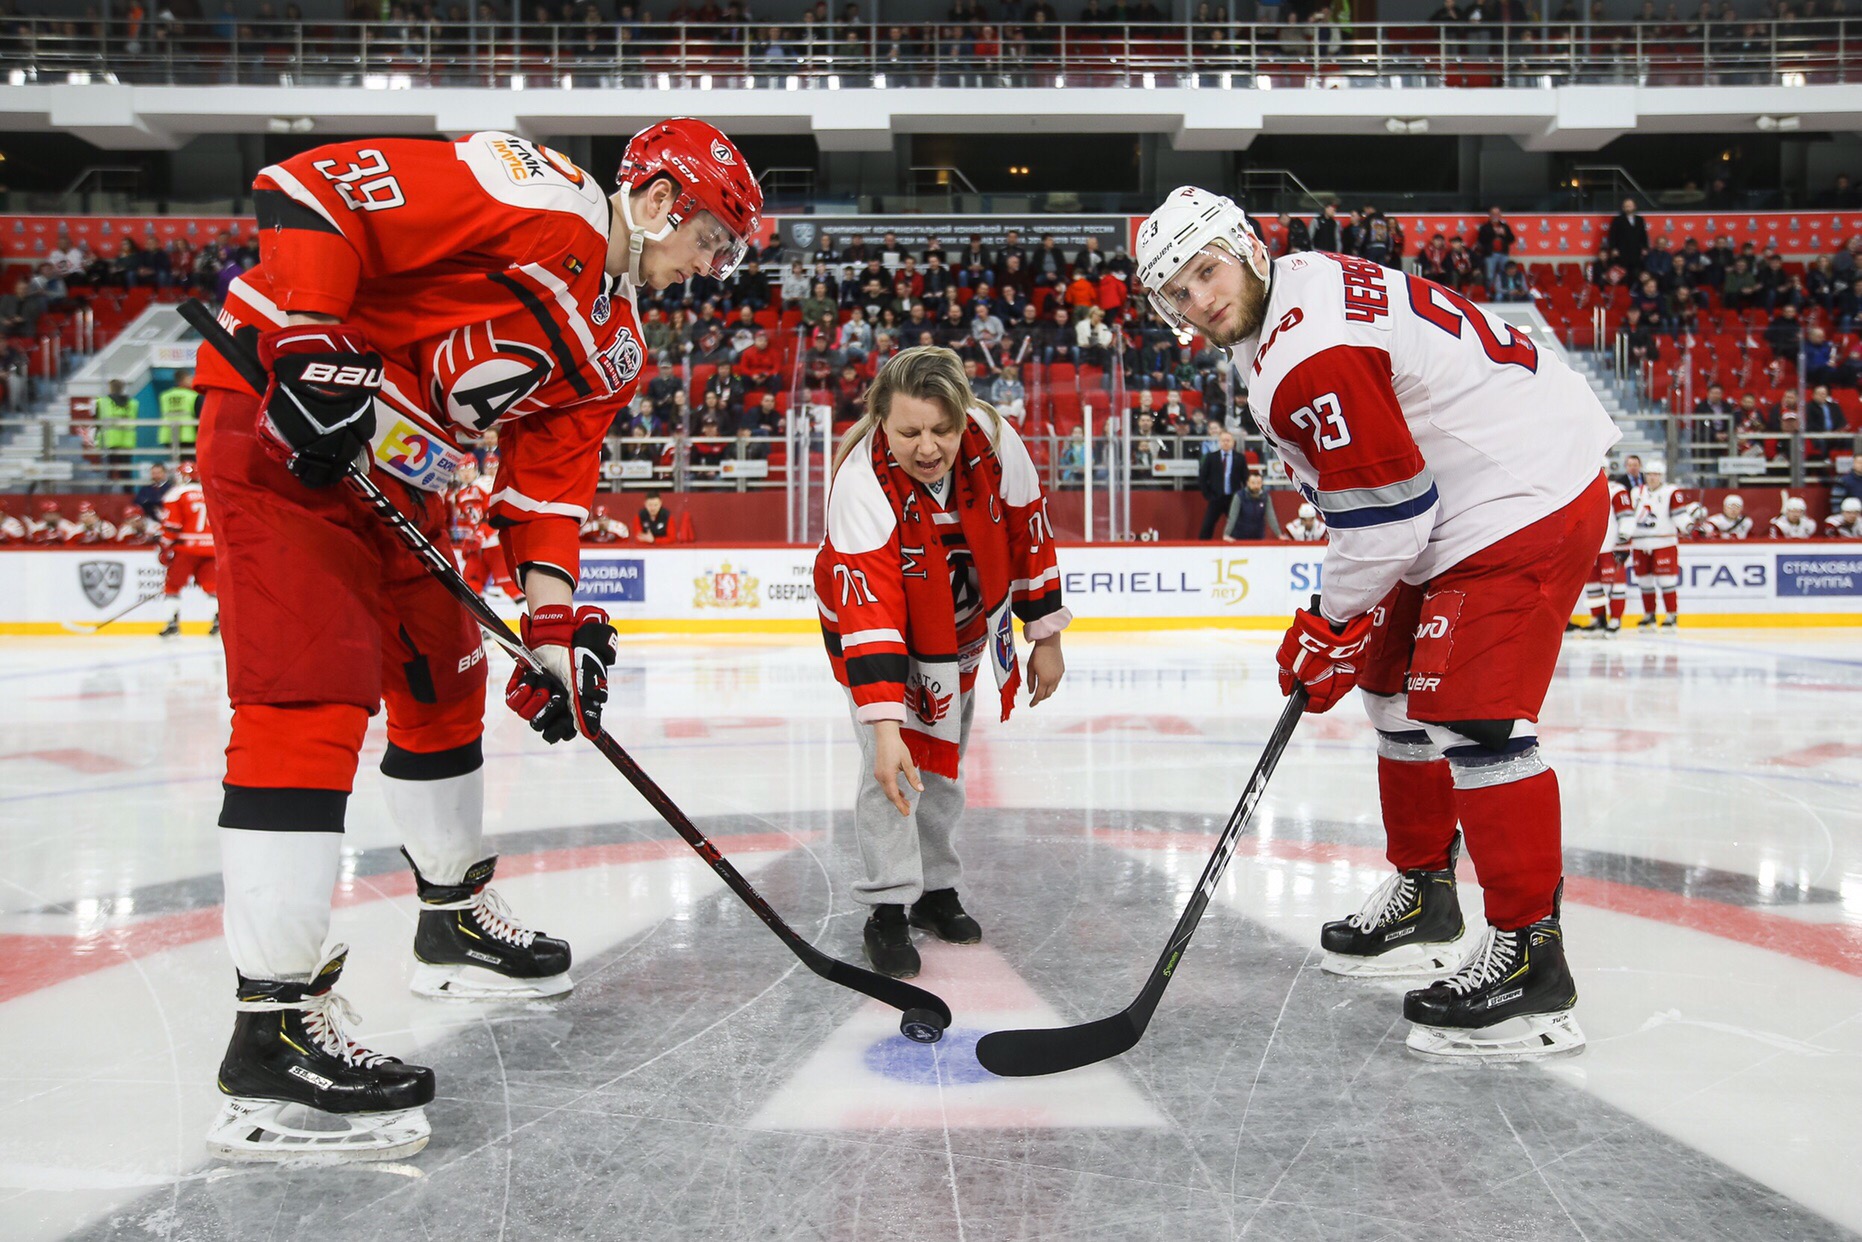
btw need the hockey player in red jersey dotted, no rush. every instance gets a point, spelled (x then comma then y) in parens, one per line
(1657, 515)
(186, 545)
(410, 297)
(1456, 467)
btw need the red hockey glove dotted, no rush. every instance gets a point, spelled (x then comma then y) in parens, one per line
(166, 555)
(318, 414)
(1323, 656)
(577, 647)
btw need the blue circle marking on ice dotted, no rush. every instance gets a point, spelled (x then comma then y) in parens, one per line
(904, 1060)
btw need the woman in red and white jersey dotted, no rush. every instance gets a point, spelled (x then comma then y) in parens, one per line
(937, 533)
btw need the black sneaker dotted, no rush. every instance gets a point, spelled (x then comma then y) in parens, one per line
(1408, 928)
(1511, 1001)
(889, 945)
(471, 947)
(940, 913)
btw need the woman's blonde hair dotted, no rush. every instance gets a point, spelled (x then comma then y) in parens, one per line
(928, 373)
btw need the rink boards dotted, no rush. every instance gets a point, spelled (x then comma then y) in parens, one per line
(1128, 587)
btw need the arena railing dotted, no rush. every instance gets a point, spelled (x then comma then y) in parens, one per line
(407, 54)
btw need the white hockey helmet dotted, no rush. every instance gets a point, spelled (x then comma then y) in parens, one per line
(1852, 505)
(1308, 513)
(1734, 501)
(1189, 220)
(1655, 465)
(1795, 505)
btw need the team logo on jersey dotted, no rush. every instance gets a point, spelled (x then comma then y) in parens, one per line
(599, 312)
(621, 361)
(490, 383)
(726, 588)
(102, 581)
(1005, 642)
(721, 153)
(925, 702)
(562, 164)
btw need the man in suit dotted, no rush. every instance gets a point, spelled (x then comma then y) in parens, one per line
(1823, 418)
(1221, 475)
(1631, 477)
(1714, 417)
(1629, 237)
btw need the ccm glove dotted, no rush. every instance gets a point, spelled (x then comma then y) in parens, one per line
(576, 647)
(1324, 656)
(318, 414)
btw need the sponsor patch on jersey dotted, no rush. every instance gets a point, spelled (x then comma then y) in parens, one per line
(521, 162)
(1435, 632)
(418, 457)
(562, 164)
(599, 312)
(573, 265)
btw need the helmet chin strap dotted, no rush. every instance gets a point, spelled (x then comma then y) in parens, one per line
(637, 238)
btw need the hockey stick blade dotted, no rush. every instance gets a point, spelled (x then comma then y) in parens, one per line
(1054, 1050)
(894, 992)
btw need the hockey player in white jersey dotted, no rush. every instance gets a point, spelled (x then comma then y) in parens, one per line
(1456, 467)
(1306, 527)
(1660, 512)
(1795, 522)
(1731, 522)
(1845, 523)
(1606, 592)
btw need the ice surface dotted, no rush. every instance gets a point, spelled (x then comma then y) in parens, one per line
(698, 1084)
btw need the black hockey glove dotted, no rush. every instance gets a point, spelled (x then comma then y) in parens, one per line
(318, 413)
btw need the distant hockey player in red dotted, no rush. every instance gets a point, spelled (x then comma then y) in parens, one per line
(937, 533)
(186, 545)
(1658, 514)
(411, 297)
(1456, 468)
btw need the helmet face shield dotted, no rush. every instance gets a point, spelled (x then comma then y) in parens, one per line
(1208, 278)
(720, 249)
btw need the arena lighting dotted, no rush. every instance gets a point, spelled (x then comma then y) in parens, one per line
(704, 81)
(1150, 81)
(290, 125)
(1413, 125)
(568, 81)
(879, 81)
(794, 83)
(1791, 79)
(1780, 123)
(833, 81)
(1228, 81)
(1060, 80)
(1262, 82)
(517, 81)
(16, 77)
(665, 81)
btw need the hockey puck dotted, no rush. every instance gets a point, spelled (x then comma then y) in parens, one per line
(921, 1026)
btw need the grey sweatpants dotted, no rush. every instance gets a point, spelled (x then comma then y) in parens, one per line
(907, 856)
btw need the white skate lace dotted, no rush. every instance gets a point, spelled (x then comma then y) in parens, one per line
(1392, 897)
(1493, 960)
(324, 1018)
(496, 917)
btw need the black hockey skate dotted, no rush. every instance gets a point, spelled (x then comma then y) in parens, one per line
(301, 1087)
(172, 628)
(1671, 622)
(940, 913)
(1648, 622)
(213, 631)
(1408, 929)
(889, 944)
(470, 946)
(1512, 1001)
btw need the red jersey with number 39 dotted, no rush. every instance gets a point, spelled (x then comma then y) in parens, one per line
(1422, 428)
(477, 269)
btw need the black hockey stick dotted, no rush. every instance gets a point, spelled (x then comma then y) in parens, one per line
(926, 1017)
(1023, 1054)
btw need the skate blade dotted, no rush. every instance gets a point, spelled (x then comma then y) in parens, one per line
(1412, 961)
(474, 983)
(1541, 1037)
(250, 1131)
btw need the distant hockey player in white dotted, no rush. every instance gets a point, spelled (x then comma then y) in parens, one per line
(1731, 522)
(1845, 523)
(1659, 513)
(1306, 528)
(1795, 522)
(1457, 470)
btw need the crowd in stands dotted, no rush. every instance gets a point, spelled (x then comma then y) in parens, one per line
(973, 44)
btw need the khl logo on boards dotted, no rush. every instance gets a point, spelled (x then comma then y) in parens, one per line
(102, 581)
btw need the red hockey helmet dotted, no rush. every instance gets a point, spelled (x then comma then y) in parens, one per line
(47, 508)
(711, 177)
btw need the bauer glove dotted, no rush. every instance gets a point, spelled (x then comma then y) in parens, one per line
(318, 413)
(576, 647)
(1324, 656)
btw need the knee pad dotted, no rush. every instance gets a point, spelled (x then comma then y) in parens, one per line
(1398, 737)
(1484, 753)
(1668, 582)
